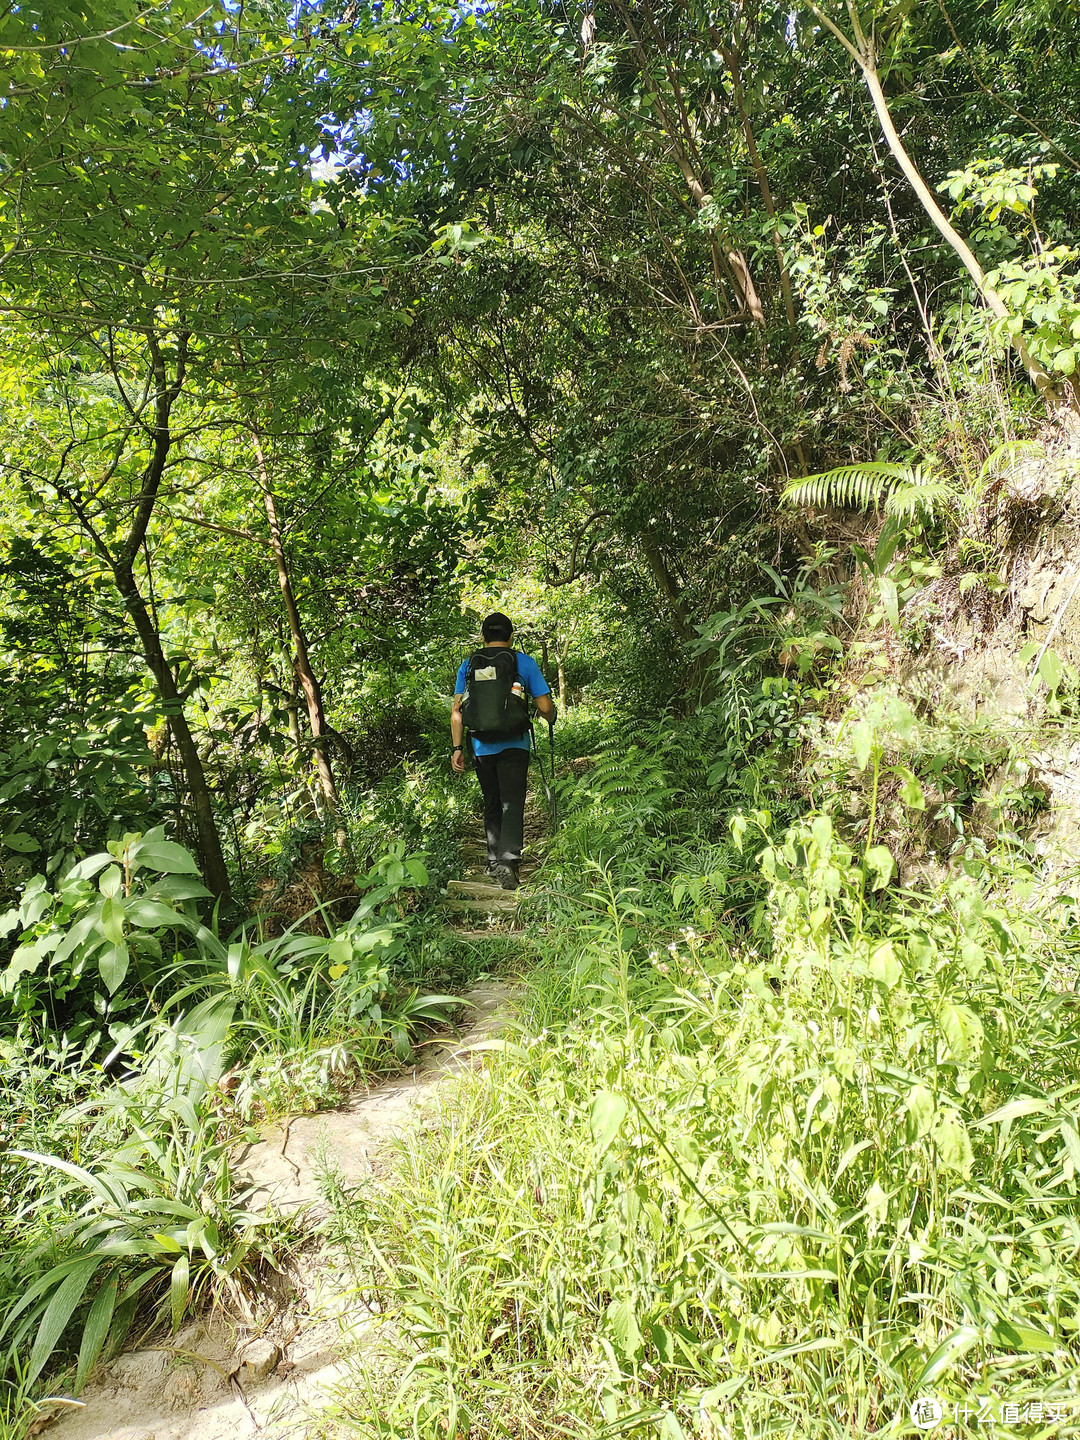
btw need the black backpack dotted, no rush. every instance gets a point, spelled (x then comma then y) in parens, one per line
(495, 703)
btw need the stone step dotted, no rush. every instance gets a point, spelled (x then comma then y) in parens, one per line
(491, 932)
(477, 889)
(506, 903)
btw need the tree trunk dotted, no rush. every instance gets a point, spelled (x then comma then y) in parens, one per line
(862, 52)
(666, 585)
(726, 254)
(211, 858)
(731, 59)
(309, 684)
(293, 718)
(122, 562)
(560, 664)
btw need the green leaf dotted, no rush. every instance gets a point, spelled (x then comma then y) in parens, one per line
(885, 968)
(1016, 1110)
(953, 1144)
(607, 1114)
(1072, 1143)
(911, 791)
(901, 718)
(879, 866)
(919, 1110)
(962, 1030)
(113, 1194)
(95, 1330)
(951, 1350)
(154, 915)
(1051, 670)
(178, 887)
(58, 1313)
(88, 868)
(25, 961)
(112, 920)
(1021, 1339)
(20, 841)
(236, 961)
(890, 601)
(113, 961)
(862, 743)
(339, 952)
(417, 870)
(369, 940)
(623, 1327)
(163, 855)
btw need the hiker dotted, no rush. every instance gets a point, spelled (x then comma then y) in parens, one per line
(492, 700)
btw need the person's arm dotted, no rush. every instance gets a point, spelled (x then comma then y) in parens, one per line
(534, 679)
(457, 737)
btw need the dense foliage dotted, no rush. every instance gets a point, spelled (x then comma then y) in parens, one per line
(733, 350)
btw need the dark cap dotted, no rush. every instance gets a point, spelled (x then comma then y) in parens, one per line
(497, 626)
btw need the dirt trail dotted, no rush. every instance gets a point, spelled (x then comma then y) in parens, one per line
(222, 1378)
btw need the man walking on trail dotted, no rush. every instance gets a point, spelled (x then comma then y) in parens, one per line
(491, 699)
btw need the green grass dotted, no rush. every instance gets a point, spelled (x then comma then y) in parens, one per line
(778, 1170)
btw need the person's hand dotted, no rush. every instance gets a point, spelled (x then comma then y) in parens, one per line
(457, 762)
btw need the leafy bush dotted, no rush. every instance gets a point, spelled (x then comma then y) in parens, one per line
(145, 1220)
(156, 1224)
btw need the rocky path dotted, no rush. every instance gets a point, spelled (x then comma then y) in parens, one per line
(225, 1377)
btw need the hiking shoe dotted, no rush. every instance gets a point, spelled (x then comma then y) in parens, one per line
(506, 875)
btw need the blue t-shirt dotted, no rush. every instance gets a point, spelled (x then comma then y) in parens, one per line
(534, 683)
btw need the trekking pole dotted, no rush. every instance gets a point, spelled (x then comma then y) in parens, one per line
(554, 799)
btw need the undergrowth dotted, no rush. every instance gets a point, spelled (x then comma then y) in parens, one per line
(778, 1147)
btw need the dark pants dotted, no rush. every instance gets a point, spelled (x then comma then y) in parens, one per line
(502, 781)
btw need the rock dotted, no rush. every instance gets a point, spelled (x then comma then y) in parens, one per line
(257, 1359)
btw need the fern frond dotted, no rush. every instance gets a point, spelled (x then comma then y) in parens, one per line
(859, 487)
(1007, 456)
(928, 498)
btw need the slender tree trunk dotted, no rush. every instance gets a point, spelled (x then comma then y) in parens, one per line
(122, 560)
(666, 585)
(726, 253)
(292, 713)
(214, 869)
(731, 59)
(309, 684)
(862, 52)
(560, 663)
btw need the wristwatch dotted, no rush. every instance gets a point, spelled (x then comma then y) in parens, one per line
(456, 748)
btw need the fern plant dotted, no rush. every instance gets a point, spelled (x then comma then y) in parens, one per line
(903, 491)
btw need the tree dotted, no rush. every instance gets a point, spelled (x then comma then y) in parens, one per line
(159, 204)
(864, 48)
